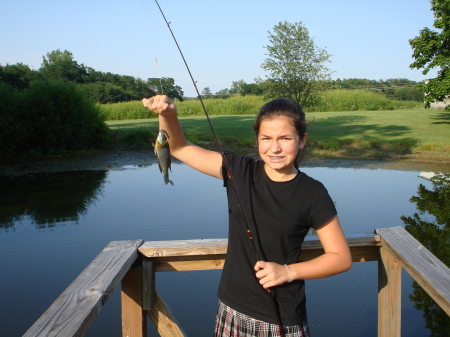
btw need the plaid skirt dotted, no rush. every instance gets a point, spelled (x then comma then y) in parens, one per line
(230, 323)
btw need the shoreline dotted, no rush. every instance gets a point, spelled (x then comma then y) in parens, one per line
(122, 159)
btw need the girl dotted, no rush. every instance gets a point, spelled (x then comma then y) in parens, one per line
(281, 204)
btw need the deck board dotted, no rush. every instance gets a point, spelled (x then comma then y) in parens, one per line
(76, 308)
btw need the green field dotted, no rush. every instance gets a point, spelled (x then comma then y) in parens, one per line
(362, 134)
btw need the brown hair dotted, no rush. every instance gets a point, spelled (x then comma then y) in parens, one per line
(283, 107)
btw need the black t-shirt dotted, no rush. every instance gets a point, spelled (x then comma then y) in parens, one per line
(280, 215)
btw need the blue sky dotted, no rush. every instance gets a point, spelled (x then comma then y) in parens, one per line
(222, 41)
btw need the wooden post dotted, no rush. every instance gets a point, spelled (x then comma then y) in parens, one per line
(134, 320)
(389, 295)
(149, 288)
(425, 268)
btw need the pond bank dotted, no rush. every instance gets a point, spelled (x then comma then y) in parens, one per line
(121, 159)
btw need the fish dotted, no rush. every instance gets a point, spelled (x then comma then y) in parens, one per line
(162, 152)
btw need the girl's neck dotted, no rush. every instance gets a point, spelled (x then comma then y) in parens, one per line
(277, 175)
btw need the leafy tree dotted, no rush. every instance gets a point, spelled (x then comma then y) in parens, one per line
(296, 65)
(431, 49)
(18, 75)
(436, 237)
(13, 134)
(166, 86)
(59, 64)
(103, 92)
(206, 92)
(244, 88)
(236, 86)
(58, 117)
(223, 93)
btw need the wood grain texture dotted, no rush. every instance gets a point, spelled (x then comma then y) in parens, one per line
(75, 309)
(164, 321)
(210, 254)
(184, 247)
(389, 295)
(426, 269)
(134, 319)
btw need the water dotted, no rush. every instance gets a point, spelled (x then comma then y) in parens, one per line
(53, 225)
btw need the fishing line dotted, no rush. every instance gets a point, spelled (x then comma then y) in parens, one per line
(160, 78)
(227, 166)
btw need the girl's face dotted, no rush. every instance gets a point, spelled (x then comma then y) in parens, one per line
(279, 144)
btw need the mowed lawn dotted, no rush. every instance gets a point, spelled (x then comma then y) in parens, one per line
(421, 129)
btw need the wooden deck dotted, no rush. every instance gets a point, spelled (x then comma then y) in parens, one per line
(136, 262)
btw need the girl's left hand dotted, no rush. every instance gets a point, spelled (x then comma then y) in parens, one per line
(271, 274)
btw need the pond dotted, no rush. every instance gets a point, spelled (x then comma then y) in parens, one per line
(53, 225)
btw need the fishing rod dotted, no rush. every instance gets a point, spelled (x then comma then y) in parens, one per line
(227, 166)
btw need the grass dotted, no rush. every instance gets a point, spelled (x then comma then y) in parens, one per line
(355, 134)
(333, 100)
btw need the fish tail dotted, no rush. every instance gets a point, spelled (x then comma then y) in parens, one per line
(166, 180)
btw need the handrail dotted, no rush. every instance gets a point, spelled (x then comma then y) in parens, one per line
(75, 309)
(400, 249)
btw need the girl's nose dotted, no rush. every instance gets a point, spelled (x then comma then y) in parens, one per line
(275, 147)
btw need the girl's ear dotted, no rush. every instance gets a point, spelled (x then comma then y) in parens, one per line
(302, 142)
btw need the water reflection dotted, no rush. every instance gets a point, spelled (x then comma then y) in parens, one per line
(48, 199)
(435, 235)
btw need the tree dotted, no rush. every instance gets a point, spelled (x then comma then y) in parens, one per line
(206, 92)
(296, 65)
(18, 75)
(166, 86)
(222, 93)
(436, 237)
(431, 49)
(59, 64)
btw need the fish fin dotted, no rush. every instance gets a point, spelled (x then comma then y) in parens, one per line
(166, 180)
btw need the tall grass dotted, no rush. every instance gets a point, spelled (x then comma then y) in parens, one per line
(333, 100)
(124, 110)
(353, 100)
(235, 105)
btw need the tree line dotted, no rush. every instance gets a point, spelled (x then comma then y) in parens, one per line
(99, 86)
(107, 87)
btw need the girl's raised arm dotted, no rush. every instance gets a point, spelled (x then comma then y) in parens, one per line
(205, 161)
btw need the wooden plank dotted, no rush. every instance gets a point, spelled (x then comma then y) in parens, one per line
(184, 247)
(74, 310)
(359, 254)
(180, 263)
(312, 242)
(219, 246)
(134, 319)
(432, 275)
(164, 321)
(191, 255)
(389, 295)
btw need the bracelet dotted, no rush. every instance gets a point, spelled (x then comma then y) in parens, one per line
(291, 273)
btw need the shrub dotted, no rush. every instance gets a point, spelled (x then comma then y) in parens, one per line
(50, 117)
(12, 129)
(62, 118)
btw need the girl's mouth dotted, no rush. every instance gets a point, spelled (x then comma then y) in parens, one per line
(277, 158)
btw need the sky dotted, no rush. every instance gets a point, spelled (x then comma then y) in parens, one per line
(222, 41)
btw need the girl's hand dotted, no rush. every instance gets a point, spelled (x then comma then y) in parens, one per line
(272, 274)
(160, 104)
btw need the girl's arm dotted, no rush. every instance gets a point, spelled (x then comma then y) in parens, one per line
(336, 259)
(205, 161)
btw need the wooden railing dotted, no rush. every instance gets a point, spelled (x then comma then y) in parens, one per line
(135, 264)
